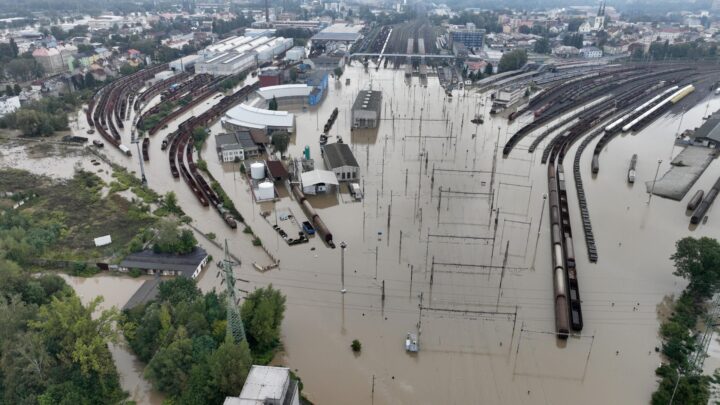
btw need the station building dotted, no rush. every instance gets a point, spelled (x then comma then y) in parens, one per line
(267, 385)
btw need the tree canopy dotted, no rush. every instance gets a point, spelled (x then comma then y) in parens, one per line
(512, 60)
(182, 336)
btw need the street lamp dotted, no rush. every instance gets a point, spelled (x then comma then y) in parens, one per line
(343, 245)
(654, 180)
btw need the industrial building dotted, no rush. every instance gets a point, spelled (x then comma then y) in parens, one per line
(267, 385)
(244, 116)
(296, 94)
(184, 63)
(468, 36)
(366, 109)
(270, 77)
(508, 96)
(238, 54)
(165, 264)
(340, 160)
(708, 133)
(239, 144)
(337, 37)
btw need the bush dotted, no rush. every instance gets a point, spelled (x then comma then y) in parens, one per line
(256, 241)
(211, 235)
(134, 272)
(356, 346)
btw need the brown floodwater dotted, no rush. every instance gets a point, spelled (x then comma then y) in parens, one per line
(486, 334)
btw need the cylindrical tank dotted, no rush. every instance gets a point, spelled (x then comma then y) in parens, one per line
(257, 171)
(695, 200)
(307, 152)
(266, 191)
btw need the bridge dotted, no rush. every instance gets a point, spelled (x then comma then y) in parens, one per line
(400, 55)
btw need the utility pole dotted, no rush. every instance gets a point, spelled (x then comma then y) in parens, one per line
(136, 141)
(235, 327)
(343, 245)
(542, 212)
(654, 180)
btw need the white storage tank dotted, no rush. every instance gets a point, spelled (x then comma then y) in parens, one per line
(257, 171)
(266, 191)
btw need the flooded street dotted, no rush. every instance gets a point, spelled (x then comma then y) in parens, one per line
(425, 229)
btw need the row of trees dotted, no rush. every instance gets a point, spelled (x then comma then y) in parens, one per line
(182, 336)
(53, 349)
(698, 261)
(685, 50)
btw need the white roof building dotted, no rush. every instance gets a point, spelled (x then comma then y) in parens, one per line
(285, 90)
(245, 116)
(267, 386)
(9, 105)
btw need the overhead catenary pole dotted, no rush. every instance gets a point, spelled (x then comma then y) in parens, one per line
(343, 245)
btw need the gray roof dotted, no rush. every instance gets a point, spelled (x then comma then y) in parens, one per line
(149, 260)
(710, 129)
(339, 155)
(147, 292)
(336, 36)
(373, 102)
(234, 140)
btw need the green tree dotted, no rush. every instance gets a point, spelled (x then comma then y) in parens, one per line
(488, 69)
(263, 312)
(169, 369)
(542, 45)
(273, 105)
(177, 290)
(9, 90)
(17, 89)
(89, 81)
(74, 337)
(512, 60)
(280, 140)
(293, 74)
(229, 366)
(574, 24)
(698, 261)
(171, 239)
(338, 72)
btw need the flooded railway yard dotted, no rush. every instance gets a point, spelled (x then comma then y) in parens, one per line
(451, 236)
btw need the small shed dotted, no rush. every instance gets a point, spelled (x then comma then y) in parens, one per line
(317, 181)
(103, 240)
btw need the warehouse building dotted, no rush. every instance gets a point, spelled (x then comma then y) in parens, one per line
(244, 116)
(238, 54)
(166, 264)
(336, 37)
(366, 109)
(340, 160)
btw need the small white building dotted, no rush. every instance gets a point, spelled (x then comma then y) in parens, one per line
(9, 105)
(267, 385)
(317, 181)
